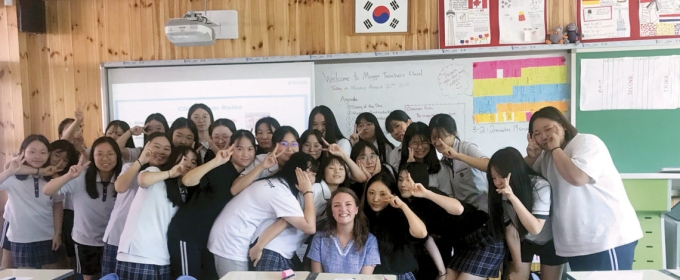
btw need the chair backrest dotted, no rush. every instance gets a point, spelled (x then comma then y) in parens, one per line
(111, 276)
(186, 277)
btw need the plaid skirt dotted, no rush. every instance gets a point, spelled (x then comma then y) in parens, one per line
(481, 255)
(34, 254)
(273, 261)
(406, 276)
(140, 271)
(5, 243)
(109, 259)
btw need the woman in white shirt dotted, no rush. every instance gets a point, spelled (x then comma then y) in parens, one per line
(257, 207)
(594, 224)
(322, 119)
(92, 192)
(143, 250)
(396, 124)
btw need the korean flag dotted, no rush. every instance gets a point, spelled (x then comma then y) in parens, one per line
(381, 16)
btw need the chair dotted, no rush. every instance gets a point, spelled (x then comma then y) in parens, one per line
(111, 276)
(186, 277)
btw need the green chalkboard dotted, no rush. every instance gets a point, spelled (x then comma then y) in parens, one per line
(640, 141)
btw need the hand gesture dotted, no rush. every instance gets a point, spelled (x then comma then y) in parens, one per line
(16, 163)
(222, 156)
(506, 189)
(363, 169)
(255, 253)
(334, 149)
(50, 170)
(447, 150)
(138, 130)
(553, 139)
(354, 138)
(395, 201)
(418, 190)
(377, 169)
(533, 149)
(77, 169)
(272, 158)
(303, 185)
(212, 146)
(146, 155)
(410, 156)
(177, 170)
(79, 116)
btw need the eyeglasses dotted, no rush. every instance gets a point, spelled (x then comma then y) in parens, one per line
(419, 144)
(292, 144)
(372, 157)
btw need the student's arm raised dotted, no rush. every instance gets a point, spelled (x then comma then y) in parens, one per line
(306, 224)
(12, 167)
(450, 152)
(54, 185)
(532, 224)
(565, 166)
(193, 177)
(450, 204)
(122, 140)
(123, 182)
(417, 228)
(533, 151)
(242, 182)
(357, 173)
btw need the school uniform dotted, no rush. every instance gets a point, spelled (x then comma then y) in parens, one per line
(476, 251)
(190, 227)
(67, 227)
(32, 220)
(594, 225)
(442, 180)
(391, 226)
(327, 251)
(278, 254)
(6, 244)
(230, 237)
(143, 249)
(203, 150)
(133, 154)
(385, 154)
(470, 183)
(266, 172)
(90, 221)
(116, 224)
(394, 157)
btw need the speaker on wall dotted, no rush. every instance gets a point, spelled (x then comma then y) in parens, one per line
(31, 16)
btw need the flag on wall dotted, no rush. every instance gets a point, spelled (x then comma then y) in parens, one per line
(381, 16)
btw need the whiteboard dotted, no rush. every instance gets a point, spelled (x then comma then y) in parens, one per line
(423, 88)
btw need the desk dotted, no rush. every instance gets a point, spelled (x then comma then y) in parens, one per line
(300, 275)
(619, 275)
(37, 274)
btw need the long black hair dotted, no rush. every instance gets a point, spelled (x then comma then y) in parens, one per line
(27, 141)
(380, 226)
(197, 106)
(509, 161)
(360, 146)
(149, 139)
(554, 114)
(159, 118)
(305, 136)
(92, 171)
(125, 127)
(332, 133)
(273, 125)
(222, 122)
(379, 134)
(396, 115)
(173, 185)
(443, 122)
(420, 130)
(287, 172)
(72, 154)
(182, 122)
(328, 160)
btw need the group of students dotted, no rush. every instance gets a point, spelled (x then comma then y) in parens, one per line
(202, 198)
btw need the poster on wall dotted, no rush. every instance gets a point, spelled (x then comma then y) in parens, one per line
(466, 22)
(605, 19)
(659, 18)
(521, 21)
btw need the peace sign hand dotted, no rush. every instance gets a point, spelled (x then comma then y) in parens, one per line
(16, 163)
(411, 158)
(177, 170)
(77, 169)
(354, 138)
(272, 158)
(447, 150)
(222, 156)
(146, 155)
(533, 149)
(395, 202)
(506, 189)
(334, 149)
(138, 130)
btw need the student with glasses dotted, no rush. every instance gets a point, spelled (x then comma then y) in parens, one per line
(264, 165)
(367, 157)
(311, 143)
(420, 149)
(466, 160)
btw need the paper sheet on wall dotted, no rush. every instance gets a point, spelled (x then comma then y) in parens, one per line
(605, 19)
(467, 22)
(521, 21)
(659, 18)
(630, 83)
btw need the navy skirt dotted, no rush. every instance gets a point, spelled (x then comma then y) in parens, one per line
(140, 271)
(34, 254)
(480, 255)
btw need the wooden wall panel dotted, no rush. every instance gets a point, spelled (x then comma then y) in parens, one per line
(11, 99)
(60, 69)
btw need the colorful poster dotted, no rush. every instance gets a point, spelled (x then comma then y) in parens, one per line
(630, 83)
(605, 19)
(511, 90)
(659, 18)
(521, 21)
(467, 22)
(380, 16)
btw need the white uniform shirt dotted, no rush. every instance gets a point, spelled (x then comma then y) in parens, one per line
(345, 145)
(134, 154)
(144, 239)
(90, 215)
(120, 211)
(597, 216)
(540, 209)
(394, 158)
(264, 200)
(470, 183)
(31, 211)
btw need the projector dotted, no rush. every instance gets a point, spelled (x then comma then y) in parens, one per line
(192, 30)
